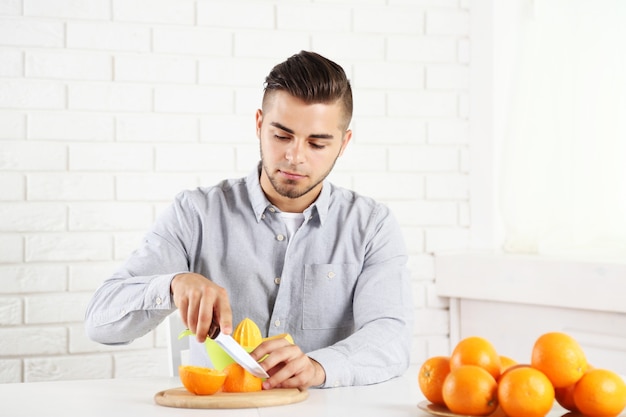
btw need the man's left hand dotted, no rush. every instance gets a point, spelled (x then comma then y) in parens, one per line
(287, 365)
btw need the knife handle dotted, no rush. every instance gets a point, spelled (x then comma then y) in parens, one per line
(214, 329)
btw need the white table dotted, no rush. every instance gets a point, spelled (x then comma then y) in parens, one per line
(135, 397)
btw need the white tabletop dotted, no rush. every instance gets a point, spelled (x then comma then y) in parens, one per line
(135, 397)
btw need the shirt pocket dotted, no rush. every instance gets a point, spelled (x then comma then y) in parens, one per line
(328, 294)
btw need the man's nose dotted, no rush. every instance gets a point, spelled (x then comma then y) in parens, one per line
(295, 152)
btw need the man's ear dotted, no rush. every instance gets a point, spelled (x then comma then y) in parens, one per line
(346, 139)
(259, 122)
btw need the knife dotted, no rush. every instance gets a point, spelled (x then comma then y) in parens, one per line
(236, 352)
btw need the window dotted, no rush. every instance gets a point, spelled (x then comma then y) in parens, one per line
(557, 121)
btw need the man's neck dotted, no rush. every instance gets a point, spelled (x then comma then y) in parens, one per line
(286, 204)
(292, 205)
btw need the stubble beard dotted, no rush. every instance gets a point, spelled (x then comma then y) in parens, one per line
(289, 188)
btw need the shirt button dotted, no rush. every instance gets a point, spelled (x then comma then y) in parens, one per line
(331, 274)
(277, 323)
(158, 300)
(272, 209)
(280, 238)
(277, 280)
(263, 216)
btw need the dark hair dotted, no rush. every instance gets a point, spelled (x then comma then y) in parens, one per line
(313, 79)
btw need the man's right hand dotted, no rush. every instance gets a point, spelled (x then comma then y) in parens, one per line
(198, 299)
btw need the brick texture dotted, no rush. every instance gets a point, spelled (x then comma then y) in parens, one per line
(109, 108)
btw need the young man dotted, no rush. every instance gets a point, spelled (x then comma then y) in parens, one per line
(282, 246)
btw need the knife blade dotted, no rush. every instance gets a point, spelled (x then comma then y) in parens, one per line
(240, 355)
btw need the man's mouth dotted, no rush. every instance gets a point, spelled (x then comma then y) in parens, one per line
(291, 175)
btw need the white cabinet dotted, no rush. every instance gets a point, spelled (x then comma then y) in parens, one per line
(512, 300)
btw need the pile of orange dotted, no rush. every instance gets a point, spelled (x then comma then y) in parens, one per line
(475, 380)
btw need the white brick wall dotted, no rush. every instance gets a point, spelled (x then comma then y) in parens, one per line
(108, 108)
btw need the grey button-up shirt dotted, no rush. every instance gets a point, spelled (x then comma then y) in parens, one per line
(339, 285)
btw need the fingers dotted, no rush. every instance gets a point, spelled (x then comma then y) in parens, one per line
(182, 308)
(295, 373)
(203, 314)
(223, 312)
(198, 299)
(286, 364)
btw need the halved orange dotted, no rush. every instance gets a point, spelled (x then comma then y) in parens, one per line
(240, 380)
(201, 381)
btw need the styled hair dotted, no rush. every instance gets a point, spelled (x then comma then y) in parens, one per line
(313, 79)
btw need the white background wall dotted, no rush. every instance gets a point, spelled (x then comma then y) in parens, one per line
(108, 108)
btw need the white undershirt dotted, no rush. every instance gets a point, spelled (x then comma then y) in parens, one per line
(293, 221)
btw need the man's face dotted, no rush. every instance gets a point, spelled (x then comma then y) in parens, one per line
(299, 146)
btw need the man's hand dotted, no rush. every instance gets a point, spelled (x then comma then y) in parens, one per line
(287, 365)
(198, 299)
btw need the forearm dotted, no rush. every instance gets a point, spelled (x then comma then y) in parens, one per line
(137, 297)
(123, 309)
(374, 354)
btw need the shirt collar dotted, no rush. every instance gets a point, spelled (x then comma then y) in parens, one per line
(260, 203)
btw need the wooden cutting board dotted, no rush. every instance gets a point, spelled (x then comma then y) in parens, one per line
(181, 398)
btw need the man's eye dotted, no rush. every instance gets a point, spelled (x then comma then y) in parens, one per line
(281, 137)
(316, 146)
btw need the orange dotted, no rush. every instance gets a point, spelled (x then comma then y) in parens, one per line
(600, 393)
(431, 375)
(240, 380)
(525, 392)
(565, 397)
(560, 358)
(478, 351)
(498, 413)
(470, 390)
(201, 381)
(506, 363)
(510, 368)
